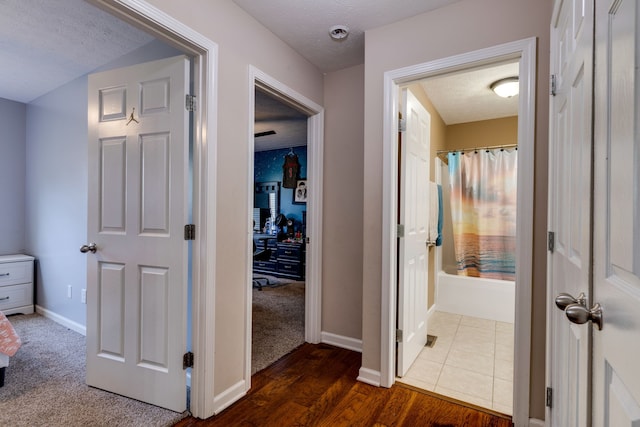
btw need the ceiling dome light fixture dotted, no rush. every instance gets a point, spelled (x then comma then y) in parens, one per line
(339, 32)
(506, 88)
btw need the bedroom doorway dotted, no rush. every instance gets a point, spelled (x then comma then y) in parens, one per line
(279, 229)
(285, 204)
(204, 53)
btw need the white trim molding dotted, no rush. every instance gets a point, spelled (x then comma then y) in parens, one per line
(315, 165)
(525, 52)
(204, 53)
(67, 323)
(225, 399)
(342, 341)
(369, 376)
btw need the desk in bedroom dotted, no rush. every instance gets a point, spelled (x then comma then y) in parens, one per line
(287, 258)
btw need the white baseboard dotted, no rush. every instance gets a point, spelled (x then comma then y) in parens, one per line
(229, 396)
(432, 310)
(369, 376)
(68, 323)
(534, 422)
(341, 341)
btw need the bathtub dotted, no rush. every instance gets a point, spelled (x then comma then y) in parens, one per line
(472, 296)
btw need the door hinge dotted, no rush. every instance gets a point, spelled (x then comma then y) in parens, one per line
(398, 335)
(402, 125)
(400, 230)
(549, 398)
(551, 241)
(190, 232)
(190, 102)
(187, 360)
(553, 85)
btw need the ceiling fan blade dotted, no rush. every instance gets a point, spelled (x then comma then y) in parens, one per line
(259, 134)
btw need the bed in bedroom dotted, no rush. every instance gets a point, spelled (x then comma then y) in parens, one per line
(9, 344)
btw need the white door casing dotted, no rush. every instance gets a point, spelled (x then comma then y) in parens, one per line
(414, 216)
(569, 263)
(137, 279)
(616, 279)
(315, 159)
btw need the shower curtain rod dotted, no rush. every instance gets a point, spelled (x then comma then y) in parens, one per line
(442, 154)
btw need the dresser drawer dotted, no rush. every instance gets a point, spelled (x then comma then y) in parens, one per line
(264, 265)
(290, 251)
(290, 267)
(13, 273)
(16, 296)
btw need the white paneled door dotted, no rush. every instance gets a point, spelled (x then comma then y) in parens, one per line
(616, 279)
(414, 217)
(604, 193)
(137, 273)
(569, 261)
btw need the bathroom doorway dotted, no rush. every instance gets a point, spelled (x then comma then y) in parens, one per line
(523, 52)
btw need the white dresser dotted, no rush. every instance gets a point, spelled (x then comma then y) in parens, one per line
(16, 284)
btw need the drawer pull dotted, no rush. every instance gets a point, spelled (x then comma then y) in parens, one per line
(4, 274)
(4, 298)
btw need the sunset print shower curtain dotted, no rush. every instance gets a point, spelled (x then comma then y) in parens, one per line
(483, 186)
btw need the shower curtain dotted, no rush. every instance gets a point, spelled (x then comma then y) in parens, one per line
(483, 186)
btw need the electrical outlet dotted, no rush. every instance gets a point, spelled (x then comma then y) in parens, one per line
(69, 291)
(83, 296)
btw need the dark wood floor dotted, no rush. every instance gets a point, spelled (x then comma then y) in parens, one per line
(316, 386)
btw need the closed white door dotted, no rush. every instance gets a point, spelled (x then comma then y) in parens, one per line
(616, 356)
(414, 216)
(569, 262)
(137, 277)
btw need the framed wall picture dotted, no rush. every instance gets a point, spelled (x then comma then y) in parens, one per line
(300, 192)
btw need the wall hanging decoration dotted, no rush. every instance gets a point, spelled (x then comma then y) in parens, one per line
(290, 169)
(300, 193)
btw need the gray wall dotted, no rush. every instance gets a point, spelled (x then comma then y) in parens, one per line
(56, 187)
(342, 230)
(12, 187)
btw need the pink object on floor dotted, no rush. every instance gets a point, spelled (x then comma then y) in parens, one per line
(9, 340)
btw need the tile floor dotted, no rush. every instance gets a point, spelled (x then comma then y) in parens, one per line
(471, 360)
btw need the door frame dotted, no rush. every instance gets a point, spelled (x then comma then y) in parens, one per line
(315, 162)
(525, 50)
(204, 52)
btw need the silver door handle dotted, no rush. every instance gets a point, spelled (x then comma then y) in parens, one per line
(564, 300)
(91, 247)
(580, 314)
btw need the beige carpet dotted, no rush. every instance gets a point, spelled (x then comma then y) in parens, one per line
(44, 384)
(278, 323)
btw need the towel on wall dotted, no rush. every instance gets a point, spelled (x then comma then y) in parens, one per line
(434, 207)
(9, 340)
(440, 216)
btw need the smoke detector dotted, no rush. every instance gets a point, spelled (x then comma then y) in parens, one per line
(339, 32)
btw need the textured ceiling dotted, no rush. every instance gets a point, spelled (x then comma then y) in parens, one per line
(304, 24)
(466, 96)
(45, 44)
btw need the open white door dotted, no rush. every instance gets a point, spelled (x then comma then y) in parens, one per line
(616, 279)
(137, 276)
(569, 261)
(414, 216)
